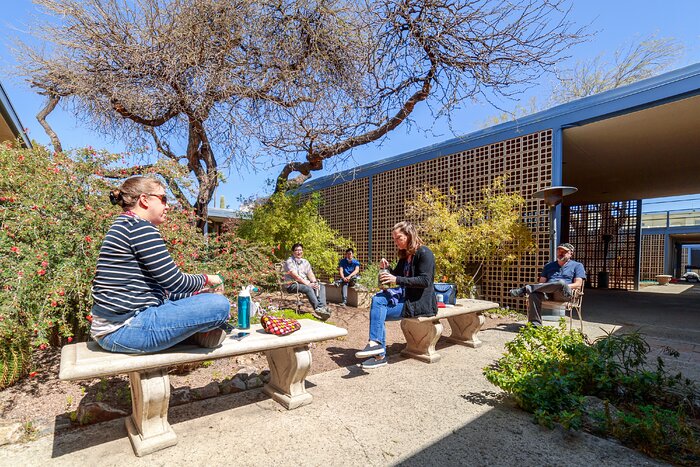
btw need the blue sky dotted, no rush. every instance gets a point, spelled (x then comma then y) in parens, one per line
(615, 23)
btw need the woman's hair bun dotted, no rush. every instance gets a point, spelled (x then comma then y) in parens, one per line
(115, 196)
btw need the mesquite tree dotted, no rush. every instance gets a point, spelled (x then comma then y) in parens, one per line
(299, 81)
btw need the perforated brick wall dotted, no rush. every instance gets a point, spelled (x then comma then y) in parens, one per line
(590, 224)
(526, 160)
(652, 256)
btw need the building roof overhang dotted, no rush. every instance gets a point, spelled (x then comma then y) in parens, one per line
(636, 141)
(10, 126)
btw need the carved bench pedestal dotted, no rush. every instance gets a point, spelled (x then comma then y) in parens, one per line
(465, 329)
(288, 370)
(465, 319)
(148, 426)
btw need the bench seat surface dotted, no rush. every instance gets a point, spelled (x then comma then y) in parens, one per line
(88, 360)
(464, 305)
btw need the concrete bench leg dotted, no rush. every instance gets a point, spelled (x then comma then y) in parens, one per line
(421, 338)
(148, 426)
(288, 369)
(465, 329)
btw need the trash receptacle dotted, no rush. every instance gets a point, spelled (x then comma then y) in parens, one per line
(603, 279)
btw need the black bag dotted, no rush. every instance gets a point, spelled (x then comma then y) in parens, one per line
(448, 292)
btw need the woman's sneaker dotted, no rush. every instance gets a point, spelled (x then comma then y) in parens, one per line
(370, 351)
(210, 339)
(373, 362)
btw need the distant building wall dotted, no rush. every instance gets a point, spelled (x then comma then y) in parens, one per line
(366, 209)
(653, 257)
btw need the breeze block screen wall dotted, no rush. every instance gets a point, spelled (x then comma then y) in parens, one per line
(653, 256)
(591, 226)
(527, 162)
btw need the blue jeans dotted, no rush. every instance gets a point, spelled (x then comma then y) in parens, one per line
(160, 327)
(310, 292)
(344, 287)
(379, 313)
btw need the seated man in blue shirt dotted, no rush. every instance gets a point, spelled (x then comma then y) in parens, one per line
(556, 281)
(349, 270)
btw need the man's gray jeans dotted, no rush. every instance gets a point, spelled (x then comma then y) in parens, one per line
(556, 291)
(317, 299)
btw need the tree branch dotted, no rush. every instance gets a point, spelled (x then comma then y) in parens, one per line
(315, 158)
(51, 103)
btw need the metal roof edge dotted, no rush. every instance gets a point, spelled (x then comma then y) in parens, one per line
(10, 115)
(624, 99)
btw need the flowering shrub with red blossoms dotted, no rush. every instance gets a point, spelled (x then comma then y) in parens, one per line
(54, 213)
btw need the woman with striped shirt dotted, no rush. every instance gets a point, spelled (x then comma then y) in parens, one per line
(142, 301)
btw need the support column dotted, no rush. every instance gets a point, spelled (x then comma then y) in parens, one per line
(148, 426)
(288, 370)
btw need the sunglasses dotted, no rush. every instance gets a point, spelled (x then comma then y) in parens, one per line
(163, 198)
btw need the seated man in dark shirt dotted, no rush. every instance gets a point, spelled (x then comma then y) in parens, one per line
(556, 282)
(349, 270)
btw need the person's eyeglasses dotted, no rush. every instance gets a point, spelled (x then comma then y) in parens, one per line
(163, 198)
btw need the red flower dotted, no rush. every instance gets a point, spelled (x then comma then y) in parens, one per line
(61, 293)
(20, 273)
(44, 264)
(33, 374)
(88, 239)
(42, 347)
(14, 249)
(41, 272)
(54, 304)
(89, 318)
(70, 339)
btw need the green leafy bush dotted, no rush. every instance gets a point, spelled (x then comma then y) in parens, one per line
(285, 220)
(369, 277)
(54, 213)
(550, 370)
(464, 236)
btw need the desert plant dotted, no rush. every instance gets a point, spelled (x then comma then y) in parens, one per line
(549, 370)
(466, 236)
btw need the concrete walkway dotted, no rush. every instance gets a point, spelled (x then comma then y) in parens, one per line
(407, 413)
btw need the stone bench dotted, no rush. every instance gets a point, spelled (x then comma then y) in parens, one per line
(465, 319)
(288, 356)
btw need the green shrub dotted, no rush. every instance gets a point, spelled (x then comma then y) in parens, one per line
(14, 357)
(285, 220)
(54, 213)
(369, 277)
(549, 370)
(465, 236)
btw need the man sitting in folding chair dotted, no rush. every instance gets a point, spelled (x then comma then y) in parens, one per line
(557, 281)
(300, 278)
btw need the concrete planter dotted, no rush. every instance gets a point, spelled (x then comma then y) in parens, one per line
(356, 297)
(663, 279)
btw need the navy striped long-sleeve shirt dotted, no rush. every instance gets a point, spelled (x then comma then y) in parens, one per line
(135, 271)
